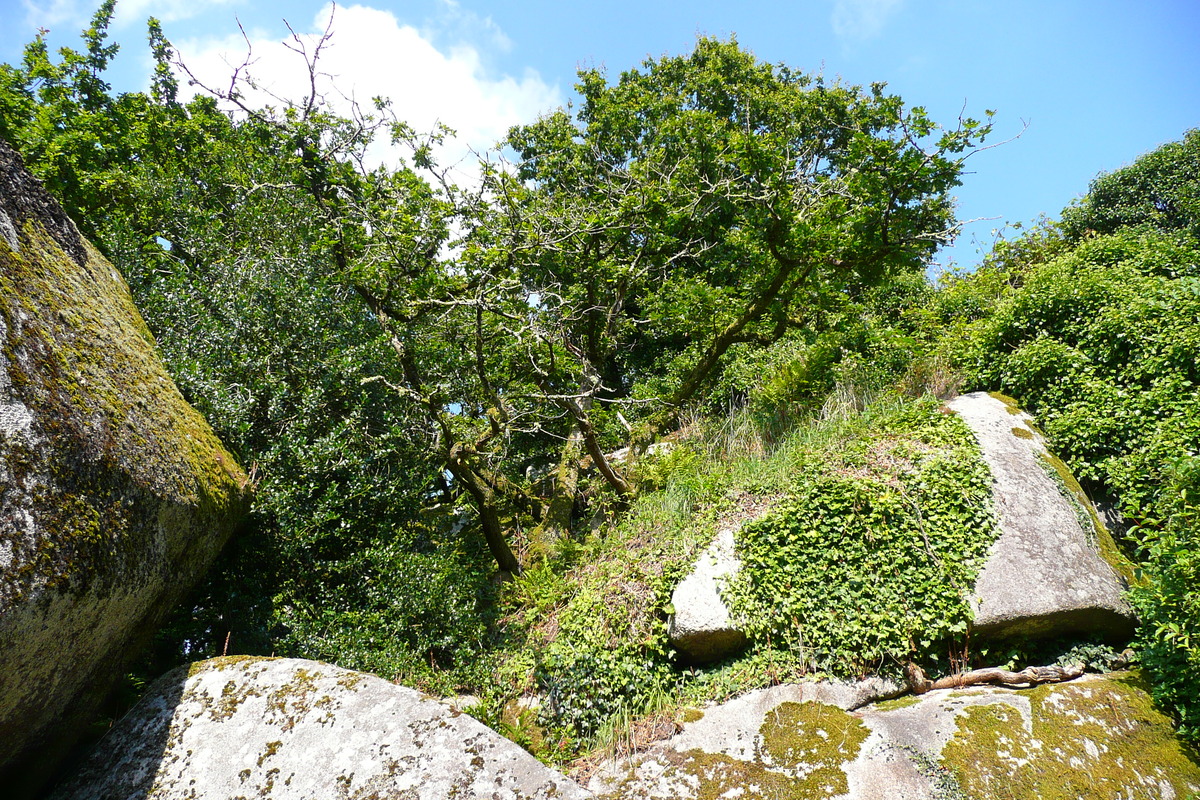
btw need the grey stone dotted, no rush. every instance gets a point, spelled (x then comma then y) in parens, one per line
(9, 232)
(1044, 575)
(1098, 736)
(289, 728)
(621, 458)
(115, 496)
(701, 627)
(732, 728)
(461, 702)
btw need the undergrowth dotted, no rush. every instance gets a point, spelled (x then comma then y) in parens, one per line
(898, 491)
(869, 560)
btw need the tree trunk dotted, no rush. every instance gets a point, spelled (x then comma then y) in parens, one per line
(700, 373)
(489, 514)
(556, 521)
(614, 478)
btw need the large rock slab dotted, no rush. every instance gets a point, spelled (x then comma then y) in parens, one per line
(1099, 736)
(114, 494)
(1044, 575)
(288, 728)
(701, 628)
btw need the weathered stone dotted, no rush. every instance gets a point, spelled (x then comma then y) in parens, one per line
(1099, 736)
(732, 728)
(288, 728)
(114, 494)
(1044, 575)
(701, 628)
(620, 457)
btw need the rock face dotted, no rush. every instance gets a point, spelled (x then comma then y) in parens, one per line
(114, 494)
(1044, 575)
(288, 728)
(701, 628)
(1094, 737)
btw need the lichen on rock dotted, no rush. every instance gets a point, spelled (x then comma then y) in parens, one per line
(1097, 738)
(814, 741)
(701, 627)
(116, 494)
(288, 728)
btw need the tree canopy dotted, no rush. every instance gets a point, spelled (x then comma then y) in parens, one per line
(1160, 190)
(423, 376)
(706, 199)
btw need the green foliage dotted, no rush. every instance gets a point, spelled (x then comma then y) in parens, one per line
(300, 299)
(885, 488)
(1169, 600)
(606, 653)
(1096, 334)
(1098, 343)
(1092, 652)
(1160, 190)
(864, 355)
(587, 688)
(220, 226)
(601, 646)
(869, 559)
(709, 201)
(706, 233)
(963, 298)
(75, 135)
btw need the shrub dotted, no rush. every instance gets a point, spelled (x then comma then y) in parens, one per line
(1099, 342)
(869, 560)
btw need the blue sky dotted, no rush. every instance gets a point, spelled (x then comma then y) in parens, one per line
(1097, 83)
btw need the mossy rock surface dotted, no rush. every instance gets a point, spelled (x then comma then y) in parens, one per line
(289, 728)
(789, 742)
(115, 496)
(1096, 737)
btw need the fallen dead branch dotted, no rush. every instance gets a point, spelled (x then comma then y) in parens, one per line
(1030, 676)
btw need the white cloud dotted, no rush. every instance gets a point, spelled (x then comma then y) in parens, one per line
(135, 12)
(861, 20)
(78, 13)
(52, 13)
(459, 23)
(371, 54)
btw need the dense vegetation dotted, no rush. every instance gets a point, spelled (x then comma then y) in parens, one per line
(428, 381)
(1094, 325)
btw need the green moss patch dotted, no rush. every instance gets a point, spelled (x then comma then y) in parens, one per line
(1090, 519)
(1009, 403)
(1100, 738)
(896, 703)
(710, 776)
(817, 741)
(804, 749)
(720, 776)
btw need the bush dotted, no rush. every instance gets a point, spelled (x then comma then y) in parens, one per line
(1099, 342)
(1160, 190)
(869, 560)
(1168, 602)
